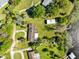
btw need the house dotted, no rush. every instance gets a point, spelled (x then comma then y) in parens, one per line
(1, 57)
(33, 55)
(32, 33)
(71, 56)
(3, 3)
(46, 2)
(52, 21)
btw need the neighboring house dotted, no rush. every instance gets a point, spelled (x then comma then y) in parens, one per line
(3, 3)
(33, 55)
(32, 33)
(71, 56)
(46, 2)
(2, 57)
(52, 21)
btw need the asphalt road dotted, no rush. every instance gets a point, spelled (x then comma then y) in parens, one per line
(74, 32)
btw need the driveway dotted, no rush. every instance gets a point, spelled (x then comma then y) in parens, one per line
(74, 32)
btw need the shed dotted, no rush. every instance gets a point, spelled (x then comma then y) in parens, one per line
(52, 21)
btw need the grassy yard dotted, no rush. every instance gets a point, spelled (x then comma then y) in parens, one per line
(24, 4)
(7, 56)
(25, 55)
(6, 41)
(2, 16)
(46, 55)
(21, 44)
(17, 56)
(20, 34)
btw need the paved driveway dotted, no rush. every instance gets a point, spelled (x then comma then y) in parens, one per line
(74, 32)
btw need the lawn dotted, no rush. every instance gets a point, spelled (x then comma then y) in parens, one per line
(6, 38)
(21, 44)
(20, 34)
(2, 16)
(17, 56)
(24, 4)
(25, 55)
(46, 54)
(7, 56)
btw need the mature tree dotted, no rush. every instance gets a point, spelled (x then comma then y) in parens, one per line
(37, 11)
(59, 8)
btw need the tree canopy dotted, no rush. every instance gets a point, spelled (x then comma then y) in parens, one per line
(59, 8)
(37, 11)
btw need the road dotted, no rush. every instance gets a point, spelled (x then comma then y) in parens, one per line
(74, 32)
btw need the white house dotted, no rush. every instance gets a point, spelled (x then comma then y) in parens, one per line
(52, 21)
(71, 56)
(46, 2)
(3, 3)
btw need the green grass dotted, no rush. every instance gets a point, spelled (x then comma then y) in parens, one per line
(2, 16)
(23, 44)
(46, 55)
(24, 4)
(17, 56)
(7, 29)
(7, 56)
(25, 55)
(20, 34)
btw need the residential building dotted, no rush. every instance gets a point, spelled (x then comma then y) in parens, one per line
(46, 2)
(52, 21)
(32, 33)
(33, 55)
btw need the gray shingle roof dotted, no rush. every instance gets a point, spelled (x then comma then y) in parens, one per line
(46, 2)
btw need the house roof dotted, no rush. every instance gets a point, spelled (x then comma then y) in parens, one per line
(46, 2)
(72, 56)
(52, 21)
(3, 3)
(2, 58)
(31, 55)
(32, 33)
